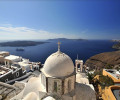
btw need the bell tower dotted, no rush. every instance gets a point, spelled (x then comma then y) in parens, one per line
(79, 65)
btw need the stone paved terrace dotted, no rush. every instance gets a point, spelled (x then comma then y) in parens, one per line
(8, 91)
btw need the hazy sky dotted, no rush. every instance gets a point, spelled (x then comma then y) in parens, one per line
(43, 19)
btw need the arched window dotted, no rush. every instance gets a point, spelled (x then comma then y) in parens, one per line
(55, 86)
(6, 80)
(17, 74)
(69, 85)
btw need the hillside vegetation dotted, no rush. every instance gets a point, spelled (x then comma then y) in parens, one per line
(104, 60)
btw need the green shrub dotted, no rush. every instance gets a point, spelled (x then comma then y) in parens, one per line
(105, 81)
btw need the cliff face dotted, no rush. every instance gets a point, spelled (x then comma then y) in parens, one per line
(102, 60)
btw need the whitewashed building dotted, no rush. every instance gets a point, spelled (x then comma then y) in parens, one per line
(57, 81)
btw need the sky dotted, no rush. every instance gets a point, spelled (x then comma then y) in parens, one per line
(46, 19)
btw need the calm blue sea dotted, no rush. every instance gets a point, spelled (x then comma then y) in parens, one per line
(84, 49)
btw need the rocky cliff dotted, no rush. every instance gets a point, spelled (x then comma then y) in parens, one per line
(103, 60)
(116, 46)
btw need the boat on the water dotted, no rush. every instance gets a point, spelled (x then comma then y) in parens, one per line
(20, 49)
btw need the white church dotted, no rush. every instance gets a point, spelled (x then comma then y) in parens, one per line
(58, 81)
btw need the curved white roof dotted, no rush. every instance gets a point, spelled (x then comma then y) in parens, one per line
(84, 92)
(58, 65)
(31, 96)
(49, 98)
(34, 85)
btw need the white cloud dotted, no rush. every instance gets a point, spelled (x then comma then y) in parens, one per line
(21, 33)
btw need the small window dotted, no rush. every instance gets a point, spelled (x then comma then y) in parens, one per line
(69, 85)
(55, 86)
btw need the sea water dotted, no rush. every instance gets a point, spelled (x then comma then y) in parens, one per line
(83, 48)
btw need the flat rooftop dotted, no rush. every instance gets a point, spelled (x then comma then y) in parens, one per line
(12, 57)
(116, 93)
(1, 52)
(113, 72)
(4, 69)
